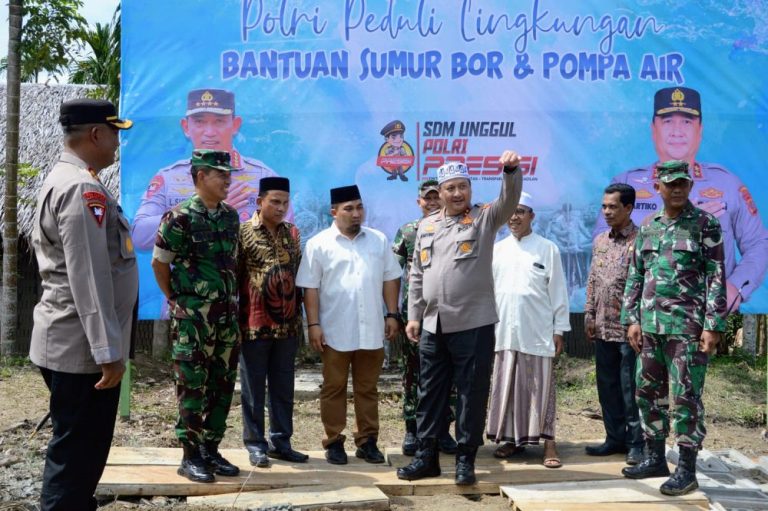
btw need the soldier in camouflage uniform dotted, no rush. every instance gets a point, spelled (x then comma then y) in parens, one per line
(429, 202)
(675, 306)
(199, 238)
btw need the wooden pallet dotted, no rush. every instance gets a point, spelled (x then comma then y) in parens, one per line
(135, 471)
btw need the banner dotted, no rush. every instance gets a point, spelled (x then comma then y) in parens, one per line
(305, 89)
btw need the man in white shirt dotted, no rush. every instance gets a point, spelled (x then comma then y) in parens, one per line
(532, 302)
(349, 273)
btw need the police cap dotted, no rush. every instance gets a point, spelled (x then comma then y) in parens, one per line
(91, 111)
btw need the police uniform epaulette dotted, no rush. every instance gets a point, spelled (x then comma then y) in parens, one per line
(714, 166)
(181, 163)
(253, 161)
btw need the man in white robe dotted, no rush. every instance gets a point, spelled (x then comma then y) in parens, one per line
(532, 303)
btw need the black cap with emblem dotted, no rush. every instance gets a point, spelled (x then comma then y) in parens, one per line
(677, 100)
(91, 111)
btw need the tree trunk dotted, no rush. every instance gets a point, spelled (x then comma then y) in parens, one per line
(9, 314)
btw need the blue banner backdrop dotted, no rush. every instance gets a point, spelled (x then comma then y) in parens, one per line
(569, 85)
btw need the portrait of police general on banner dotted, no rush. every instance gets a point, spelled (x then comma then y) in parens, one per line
(381, 94)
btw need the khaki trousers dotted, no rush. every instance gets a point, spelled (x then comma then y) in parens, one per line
(366, 367)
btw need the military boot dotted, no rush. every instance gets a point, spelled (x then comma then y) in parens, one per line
(410, 442)
(684, 479)
(465, 465)
(426, 462)
(209, 451)
(193, 467)
(654, 464)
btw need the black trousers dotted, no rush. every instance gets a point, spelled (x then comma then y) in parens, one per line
(461, 358)
(615, 368)
(267, 365)
(83, 421)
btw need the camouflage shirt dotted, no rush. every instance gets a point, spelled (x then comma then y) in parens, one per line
(676, 282)
(405, 240)
(204, 245)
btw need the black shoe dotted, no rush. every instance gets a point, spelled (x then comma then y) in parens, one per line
(211, 455)
(403, 177)
(426, 463)
(369, 452)
(258, 458)
(635, 455)
(392, 177)
(605, 449)
(465, 465)
(446, 444)
(193, 467)
(654, 464)
(288, 455)
(410, 442)
(683, 481)
(335, 454)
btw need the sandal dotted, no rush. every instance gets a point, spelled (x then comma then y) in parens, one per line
(507, 450)
(553, 462)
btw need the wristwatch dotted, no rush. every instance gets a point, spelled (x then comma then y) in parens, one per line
(395, 315)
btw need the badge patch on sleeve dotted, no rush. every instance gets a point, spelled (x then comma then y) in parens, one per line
(97, 205)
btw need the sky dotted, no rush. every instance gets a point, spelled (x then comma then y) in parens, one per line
(94, 11)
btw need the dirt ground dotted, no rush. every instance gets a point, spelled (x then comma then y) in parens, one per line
(735, 420)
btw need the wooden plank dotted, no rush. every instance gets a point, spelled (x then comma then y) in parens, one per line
(123, 476)
(570, 453)
(300, 497)
(489, 480)
(142, 480)
(154, 456)
(610, 506)
(616, 491)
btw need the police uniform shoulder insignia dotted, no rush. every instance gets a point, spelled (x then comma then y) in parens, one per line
(486, 206)
(96, 202)
(751, 206)
(156, 184)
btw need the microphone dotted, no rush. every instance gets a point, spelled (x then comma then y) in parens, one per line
(738, 294)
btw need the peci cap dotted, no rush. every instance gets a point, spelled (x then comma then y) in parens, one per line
(671, 170)
(393, 127)
(430, 185)
(526, 200)
(214, 101)
(452, 170)
(280, 184)
(218, 160)
(91, 111)
(345, 194)
(680, 100)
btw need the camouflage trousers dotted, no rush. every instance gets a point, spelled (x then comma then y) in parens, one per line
(671, 371)
(205, 359)
(409, 361)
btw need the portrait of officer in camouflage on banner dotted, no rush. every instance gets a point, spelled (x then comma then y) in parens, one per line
(677, 131)
(210, 122)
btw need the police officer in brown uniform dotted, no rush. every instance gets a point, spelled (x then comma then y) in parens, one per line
(83, 323)
(451, 290)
